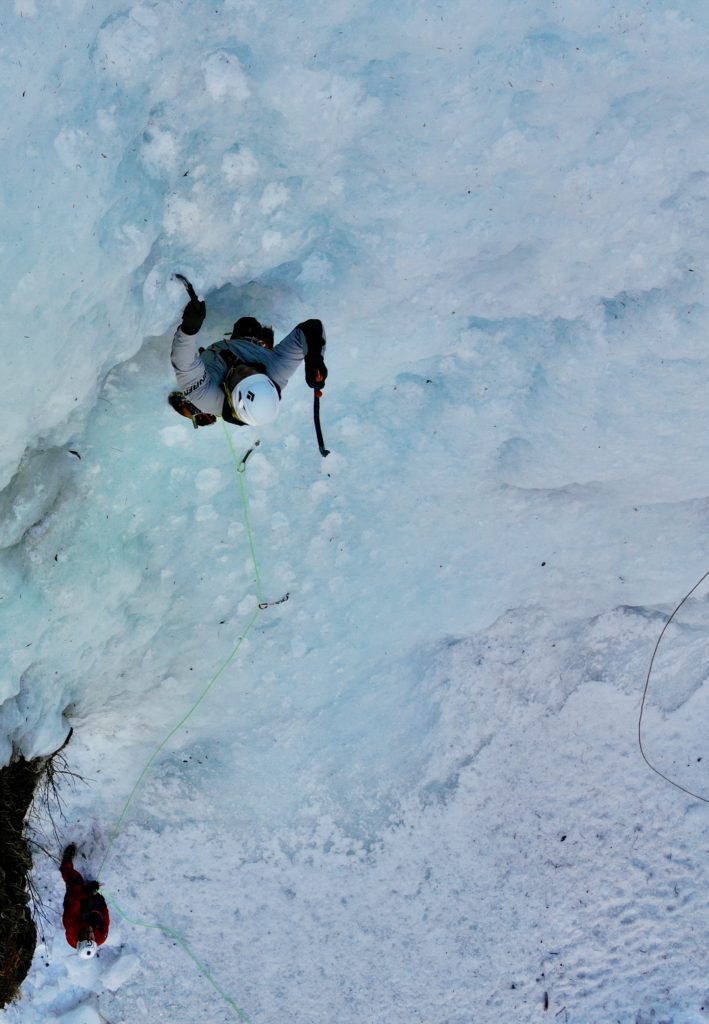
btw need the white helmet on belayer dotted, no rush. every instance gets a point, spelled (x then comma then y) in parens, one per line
(255, 400)
(87, 948)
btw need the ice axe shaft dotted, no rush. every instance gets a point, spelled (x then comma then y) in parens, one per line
(188, 286)
(318, 429)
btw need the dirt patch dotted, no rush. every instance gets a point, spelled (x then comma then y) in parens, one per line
(19, 783)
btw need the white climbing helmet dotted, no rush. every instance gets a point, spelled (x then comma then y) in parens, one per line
(256, 400)
(87, 948)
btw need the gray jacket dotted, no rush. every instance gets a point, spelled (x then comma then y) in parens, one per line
(199, 375)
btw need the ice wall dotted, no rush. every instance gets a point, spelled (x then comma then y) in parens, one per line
(492, 203)
(500, 213)
(517, 217)
(427, 164)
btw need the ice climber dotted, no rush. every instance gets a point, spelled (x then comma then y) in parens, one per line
(86, 919)
(242, 377)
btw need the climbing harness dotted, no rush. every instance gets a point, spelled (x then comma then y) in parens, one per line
(677, 785)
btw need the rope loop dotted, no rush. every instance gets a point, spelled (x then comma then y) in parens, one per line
(677, 785)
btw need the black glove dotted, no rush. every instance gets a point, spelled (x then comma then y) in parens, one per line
(314, 336)
(315, 371)
(194, 312)
(193, 316)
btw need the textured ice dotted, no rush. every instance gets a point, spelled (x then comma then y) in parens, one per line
(415, 794)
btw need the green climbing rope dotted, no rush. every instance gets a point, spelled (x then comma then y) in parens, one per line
(240, 465)
(225, 664)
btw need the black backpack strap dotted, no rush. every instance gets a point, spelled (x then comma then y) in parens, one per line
(236, 371)
(236, 366)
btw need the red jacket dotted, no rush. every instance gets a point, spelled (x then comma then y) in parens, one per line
(83, 907)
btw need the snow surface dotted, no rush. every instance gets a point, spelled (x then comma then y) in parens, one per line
(415, 794)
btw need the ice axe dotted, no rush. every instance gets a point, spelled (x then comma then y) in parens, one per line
(318, 429)
(188, 286)
(195, 311)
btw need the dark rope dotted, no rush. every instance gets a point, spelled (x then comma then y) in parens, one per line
(689, 792)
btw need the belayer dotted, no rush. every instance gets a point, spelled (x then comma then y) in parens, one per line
(242, 377)
(86, 918)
